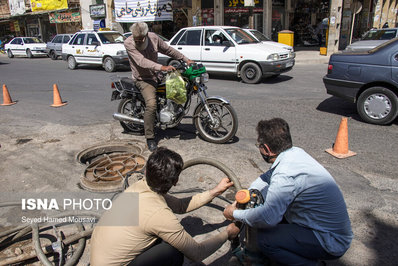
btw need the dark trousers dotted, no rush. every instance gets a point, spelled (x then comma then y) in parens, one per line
(291, 244)
(161, 254)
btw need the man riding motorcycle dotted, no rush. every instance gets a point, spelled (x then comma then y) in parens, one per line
(142, 48)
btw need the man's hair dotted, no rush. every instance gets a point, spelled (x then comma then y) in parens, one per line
(275, 133)
(163, 169)
(139, 29)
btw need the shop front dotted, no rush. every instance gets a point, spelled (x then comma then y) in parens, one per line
(66, 22)
(237, 14)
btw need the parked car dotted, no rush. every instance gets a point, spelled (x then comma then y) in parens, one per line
(95, 48)
(26, 46)
(128, 34)
(371, 39)
(54, 47)
(265, 40)
(369, 79)
(228, 49)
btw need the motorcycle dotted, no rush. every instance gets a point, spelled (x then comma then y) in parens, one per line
(214, 118)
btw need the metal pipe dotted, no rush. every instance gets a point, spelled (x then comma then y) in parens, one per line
(126, 118)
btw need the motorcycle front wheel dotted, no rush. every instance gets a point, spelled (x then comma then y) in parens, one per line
(225, 123)
(134, 109)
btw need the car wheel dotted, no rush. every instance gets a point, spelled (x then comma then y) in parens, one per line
(72, 62)
(175, 63)
(29, 53)
(251, 73)
(109, 64)
(378, 105)
(53, 55)
(10, 54)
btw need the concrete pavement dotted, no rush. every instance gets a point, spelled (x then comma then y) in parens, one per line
(311, 57)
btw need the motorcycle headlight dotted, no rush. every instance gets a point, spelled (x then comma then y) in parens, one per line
(204, 77)
(273, 57)
(121, 52)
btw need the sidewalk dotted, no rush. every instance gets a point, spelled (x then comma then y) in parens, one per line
(311, 57)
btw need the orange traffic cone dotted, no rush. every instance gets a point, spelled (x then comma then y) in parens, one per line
(340, 146)
(6, 97)
(57, 98)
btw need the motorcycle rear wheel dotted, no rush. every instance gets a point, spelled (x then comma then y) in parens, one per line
(226, 122)
(128, 107)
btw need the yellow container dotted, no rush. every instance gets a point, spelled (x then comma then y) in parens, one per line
(323, 51)
(286, 37)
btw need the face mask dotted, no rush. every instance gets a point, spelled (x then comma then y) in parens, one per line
(267, 158)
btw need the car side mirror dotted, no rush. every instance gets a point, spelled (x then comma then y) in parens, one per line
(96, 43)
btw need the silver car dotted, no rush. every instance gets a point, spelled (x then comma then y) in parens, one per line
(54, 48)
(372, 39)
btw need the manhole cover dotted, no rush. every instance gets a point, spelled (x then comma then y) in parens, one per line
(110, 164)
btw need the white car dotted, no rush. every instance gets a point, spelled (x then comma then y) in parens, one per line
(96, 48)
(267, 41)
(26, 46)
(228, 49)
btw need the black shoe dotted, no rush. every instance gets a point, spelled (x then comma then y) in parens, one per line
(152, 146)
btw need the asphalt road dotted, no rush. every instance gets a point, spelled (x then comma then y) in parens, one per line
(39, 143)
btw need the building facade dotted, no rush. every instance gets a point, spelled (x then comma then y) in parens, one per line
(314, 23)
(32, 18)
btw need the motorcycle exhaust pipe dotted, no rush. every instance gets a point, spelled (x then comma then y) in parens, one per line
(126, 118)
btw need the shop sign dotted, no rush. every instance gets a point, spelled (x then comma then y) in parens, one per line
(44, 5)
(147, 10)
(64, 17)
(97, 11)
(242, 10)
(241, 3)
(16, 26)
(17, 7)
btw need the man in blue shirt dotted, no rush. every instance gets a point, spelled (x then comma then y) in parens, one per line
(304, 217)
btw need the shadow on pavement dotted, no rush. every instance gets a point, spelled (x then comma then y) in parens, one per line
(233, 77)
(335, 105)
(276, 79)
(184, 132)
(339, 106)
(194, 225)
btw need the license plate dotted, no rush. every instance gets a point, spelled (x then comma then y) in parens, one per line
(289, 64)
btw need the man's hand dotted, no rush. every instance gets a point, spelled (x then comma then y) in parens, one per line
(167, 68)
(221, 187)
(232, 231)
(229, 211)
(189, 62)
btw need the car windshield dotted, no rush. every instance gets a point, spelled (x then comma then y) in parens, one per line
(385, 34)
(261, 37)
(240, 36)
(371, 51)
(32, 40)
(111, 37)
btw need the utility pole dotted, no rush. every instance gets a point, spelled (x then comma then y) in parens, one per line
(250, 4)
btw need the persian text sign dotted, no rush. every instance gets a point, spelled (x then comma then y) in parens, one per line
(43, 5)
(64, 17)
(17, 7)
(148, 10)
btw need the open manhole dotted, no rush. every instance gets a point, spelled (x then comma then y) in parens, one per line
(108, 165)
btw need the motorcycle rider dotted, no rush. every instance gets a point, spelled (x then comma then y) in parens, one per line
(142, 48)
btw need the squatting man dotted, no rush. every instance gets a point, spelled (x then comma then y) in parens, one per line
(142, 48)
(158, 238)
(304, 217)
